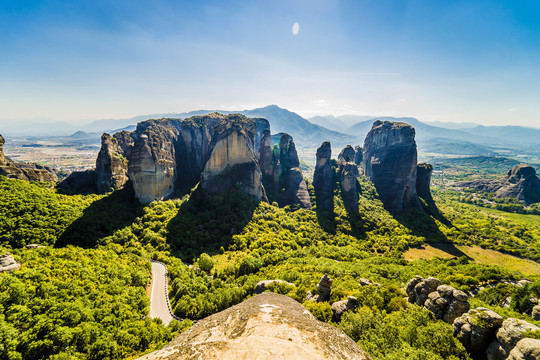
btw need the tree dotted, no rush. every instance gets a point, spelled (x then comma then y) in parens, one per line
(206, 263)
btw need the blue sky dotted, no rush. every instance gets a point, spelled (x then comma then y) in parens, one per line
(456, 61)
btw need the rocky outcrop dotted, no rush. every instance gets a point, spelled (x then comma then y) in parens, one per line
(8, 263)
(111, 164)
(508, 336)
(80, 182)
(358, 156)
(23, 171)
(233, 162)
(324, 288)
(423, 183)
(535, 314)
(520, 183)
(418, 289)
(348, 178)
(343, 306)
(323, 178)
(476, 329)
(266, 326)
(445, 302)
(264, 285)
(289, 186)
(390, 162)
(525, 349)
(367, 282)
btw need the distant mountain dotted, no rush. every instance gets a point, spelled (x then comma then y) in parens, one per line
(452, 125)
(508, 134)
(23, 127)
(338, 123)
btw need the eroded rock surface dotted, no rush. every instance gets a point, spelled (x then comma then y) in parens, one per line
(389, 161)
(323, 178)
(267, 326)
(341, 307)
(447, 303)
(8, 263)
(476, 329)
(23, 171)
(324, 288)
(111, 163)
(508, 336)
(423, 182)
(348, 176)
(520, 183)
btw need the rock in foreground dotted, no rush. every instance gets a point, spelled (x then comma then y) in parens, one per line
(267, 326)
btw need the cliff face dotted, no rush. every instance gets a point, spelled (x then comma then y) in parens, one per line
(323, 178)
(520, 183)
(266, 326)
(233, 161)
(111, 164)
(389, 161)
(348, 176)
(166, 157)
(289, 185)
(22, 171)
(423, 182)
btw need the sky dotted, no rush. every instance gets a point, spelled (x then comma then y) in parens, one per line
(437, 60)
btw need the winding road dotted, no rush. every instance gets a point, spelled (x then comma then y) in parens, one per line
(159, 302)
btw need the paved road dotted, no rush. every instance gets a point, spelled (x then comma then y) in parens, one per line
(158, 296)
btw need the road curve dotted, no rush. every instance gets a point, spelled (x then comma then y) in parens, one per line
(159, 307)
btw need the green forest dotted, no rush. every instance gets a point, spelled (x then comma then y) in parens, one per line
(83, 295)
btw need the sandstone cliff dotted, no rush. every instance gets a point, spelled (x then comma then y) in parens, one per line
(423, 182)
(390, 162)
(348, 176)
(111, 164)
(520, 183)
(22, 171)
(267, 326)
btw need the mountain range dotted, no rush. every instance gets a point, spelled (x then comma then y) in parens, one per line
(471, 139)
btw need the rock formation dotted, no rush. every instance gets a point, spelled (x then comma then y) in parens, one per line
(289, 185)
(520, 183)
(358, 156)
(111, 164)
(348, 178)
(166, 157)
(341, 307)
(266, 326)
(23, 171)
(264, 285)
(323, 178)
(423, 182)
(233, 161)
(324, 288)
(476, 329)
(507, 338)
(535, 314)
(390, 162)
(8, 263)
(445, 302)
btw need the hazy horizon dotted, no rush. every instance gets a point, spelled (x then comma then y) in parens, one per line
(460, 61)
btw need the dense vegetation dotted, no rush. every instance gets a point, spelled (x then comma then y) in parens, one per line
(72, 303)
(233, 242)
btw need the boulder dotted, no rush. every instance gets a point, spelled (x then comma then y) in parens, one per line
(263, 285)
(418, 289)
(476, 329)
(526, 349)
(323, 178)
(266, 326)
(511, 332)
(390, 162)
(340, 307)
(447, 303)
(324, 288)
(535, 314)
(366, 282)
(8, 263)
